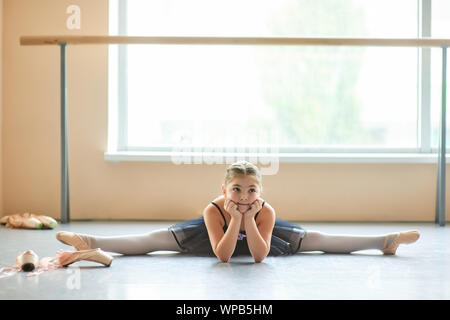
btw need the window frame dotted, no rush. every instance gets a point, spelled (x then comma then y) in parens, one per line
(118, 150)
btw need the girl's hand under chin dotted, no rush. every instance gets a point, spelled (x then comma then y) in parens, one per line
(232, 208)
(254, 208)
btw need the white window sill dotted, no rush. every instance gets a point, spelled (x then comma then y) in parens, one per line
(228, 158)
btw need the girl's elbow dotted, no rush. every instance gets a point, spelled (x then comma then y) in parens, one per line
(223, 259)
(259, 259)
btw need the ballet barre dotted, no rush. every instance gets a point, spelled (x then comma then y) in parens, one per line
(62, 41)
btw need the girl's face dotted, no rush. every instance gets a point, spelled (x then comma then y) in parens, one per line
(243, 191)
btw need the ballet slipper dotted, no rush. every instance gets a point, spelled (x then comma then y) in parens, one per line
(28, 221)
(405, 237)
(28, 260)
(73, 239)
(31, 223)
(14, 220)
(96, 255)
(4, 219)
(23, 221)
(47, 222)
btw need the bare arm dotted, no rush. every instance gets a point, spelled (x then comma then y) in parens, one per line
(223, 244)
(259, 236)
(226, 246)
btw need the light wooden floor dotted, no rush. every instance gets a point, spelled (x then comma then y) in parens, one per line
(418, 271)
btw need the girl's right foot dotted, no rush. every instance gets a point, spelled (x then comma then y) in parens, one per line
(96, 255)
(79, 241)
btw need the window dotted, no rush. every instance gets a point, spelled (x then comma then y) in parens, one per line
(297, 98)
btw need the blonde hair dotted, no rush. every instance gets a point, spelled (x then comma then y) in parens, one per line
(243, 168)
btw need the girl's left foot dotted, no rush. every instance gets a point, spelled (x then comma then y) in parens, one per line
(394, 240)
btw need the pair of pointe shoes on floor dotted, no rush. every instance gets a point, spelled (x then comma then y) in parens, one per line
(84, 250)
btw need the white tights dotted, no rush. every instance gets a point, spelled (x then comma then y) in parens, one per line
(337, 243)
(163, 240)
(158, 240)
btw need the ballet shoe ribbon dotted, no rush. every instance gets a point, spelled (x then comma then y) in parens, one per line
(45, 264)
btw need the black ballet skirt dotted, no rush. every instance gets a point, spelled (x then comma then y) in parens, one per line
(192, 237)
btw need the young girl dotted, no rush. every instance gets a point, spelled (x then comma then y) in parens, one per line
(239, 222)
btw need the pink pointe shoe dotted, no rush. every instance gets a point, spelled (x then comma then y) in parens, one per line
(405, 237)
(27, 261)
(96, 255)
(74, 239)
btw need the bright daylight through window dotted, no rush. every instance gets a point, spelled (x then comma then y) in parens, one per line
(299, 98)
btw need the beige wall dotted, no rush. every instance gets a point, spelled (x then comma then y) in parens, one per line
(99, 189)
